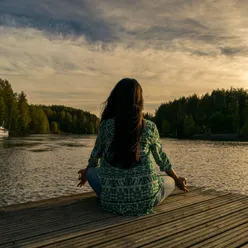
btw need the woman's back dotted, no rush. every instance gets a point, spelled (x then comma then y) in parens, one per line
(120, 169)
(129, 191)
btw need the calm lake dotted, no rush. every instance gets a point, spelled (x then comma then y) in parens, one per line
(45, 166)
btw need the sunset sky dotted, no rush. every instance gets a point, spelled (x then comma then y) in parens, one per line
(72, 52)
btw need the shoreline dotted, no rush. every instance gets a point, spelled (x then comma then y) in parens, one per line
(213, 137)
(59, 200)
(220, 137)
(209, 137)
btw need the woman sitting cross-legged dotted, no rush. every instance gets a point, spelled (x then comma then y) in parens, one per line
(120, 169)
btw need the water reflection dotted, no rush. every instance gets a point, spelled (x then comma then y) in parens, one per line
(45, 166)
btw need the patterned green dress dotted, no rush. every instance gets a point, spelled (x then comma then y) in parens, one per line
(129, 191)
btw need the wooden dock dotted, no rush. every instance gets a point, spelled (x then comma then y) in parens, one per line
(200, 218)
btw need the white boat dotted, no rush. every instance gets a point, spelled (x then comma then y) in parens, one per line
(3, 132)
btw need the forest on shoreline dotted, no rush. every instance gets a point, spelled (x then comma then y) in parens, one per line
(22, 118)
(223, 112)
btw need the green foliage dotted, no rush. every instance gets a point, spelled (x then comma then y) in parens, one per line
(21, 118)
(24, 113)
(220, 123)
(39, 122)
(222, 111)
(189, 127)
(9, 99)
(90, 128)
(244, 130)
(2, 109)
(149, 116)
(165, 129)
(55, 127)
(71, 120)
(14, 118)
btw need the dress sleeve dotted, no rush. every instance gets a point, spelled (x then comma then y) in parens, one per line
(96, 154)
(158, 153)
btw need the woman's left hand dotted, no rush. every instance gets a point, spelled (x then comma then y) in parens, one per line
(181, 183)
(82, 177)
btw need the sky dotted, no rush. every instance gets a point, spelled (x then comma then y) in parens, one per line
(73, 52)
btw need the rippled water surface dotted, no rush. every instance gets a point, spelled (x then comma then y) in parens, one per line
(45, 166)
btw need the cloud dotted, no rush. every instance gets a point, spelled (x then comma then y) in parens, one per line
(73, 52)
(231, 51)
(66, 18)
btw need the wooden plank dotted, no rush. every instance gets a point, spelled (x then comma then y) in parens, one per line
(63, 200)
(74, 219)
(203, 232)
(166, 229)
(151, 231)
(9, 245)
(162, 242)
(56, 220)
(47, 228)
(49, 216)
(72, 232)
(235, 237)
(47, 202)
(46, 217)
(83, 205)
(81, 222)
(34, 230)
(52, 212)
(45, 212)
(173, 236)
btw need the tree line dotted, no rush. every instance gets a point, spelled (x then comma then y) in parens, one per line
(221, 112)
(21, 118)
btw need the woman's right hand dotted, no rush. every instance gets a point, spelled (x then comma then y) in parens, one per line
(181, 183)
(82, 177)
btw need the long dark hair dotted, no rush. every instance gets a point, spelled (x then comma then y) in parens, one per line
(125, 104)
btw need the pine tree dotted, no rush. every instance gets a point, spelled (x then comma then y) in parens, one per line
(244, 129)
(55, 127)
(39, 123)
(189, 127)
(9, 100)
(14, 117)
(2, 107)
(165, 128)
(24, 120)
